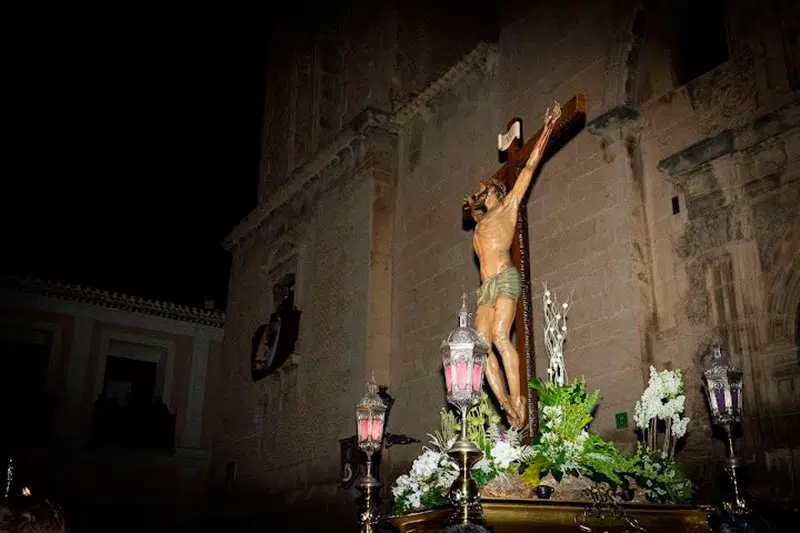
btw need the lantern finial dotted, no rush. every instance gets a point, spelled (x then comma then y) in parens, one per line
(463, 315)
(372, 385)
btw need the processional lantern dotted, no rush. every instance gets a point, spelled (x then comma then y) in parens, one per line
(723, 387)
(464, 360)
(371, 415)
(370, 423)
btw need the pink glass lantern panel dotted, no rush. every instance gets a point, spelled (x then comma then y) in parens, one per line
(476, 376)
(376, 429)
(363, 429)
(448, 376)
(461, 374)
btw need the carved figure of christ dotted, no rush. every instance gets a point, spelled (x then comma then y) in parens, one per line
(500, 242)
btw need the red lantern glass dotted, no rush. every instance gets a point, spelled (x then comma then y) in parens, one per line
(370, 416)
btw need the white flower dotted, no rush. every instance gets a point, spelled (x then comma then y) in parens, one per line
(415, 500)
(483, 465)
(504, 454)
(679, 426)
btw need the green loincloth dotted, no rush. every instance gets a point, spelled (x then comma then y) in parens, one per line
(507, 283)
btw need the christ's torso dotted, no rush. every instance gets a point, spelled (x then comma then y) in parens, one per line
(492, 240)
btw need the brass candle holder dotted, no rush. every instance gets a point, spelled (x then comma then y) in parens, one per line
(464, 360)
(464, 496)
(369, 514)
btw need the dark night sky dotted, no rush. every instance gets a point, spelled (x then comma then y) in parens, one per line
(136, 146)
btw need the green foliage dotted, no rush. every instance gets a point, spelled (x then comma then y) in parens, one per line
(433, 499)
(565, 446)
(662, 477)
(448, 427)
(479, 418)
(531, 474)
(602, 462)
(568, 408)
(482, 477)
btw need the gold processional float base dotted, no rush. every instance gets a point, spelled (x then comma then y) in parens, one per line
(518, 516)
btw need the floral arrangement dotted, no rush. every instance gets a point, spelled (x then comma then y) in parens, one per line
(426, 485)
(565, 448)
(663, 400)
(662, 405)
(433, 472)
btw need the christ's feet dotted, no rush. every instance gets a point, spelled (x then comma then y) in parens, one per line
(512, 414)
(521, 410)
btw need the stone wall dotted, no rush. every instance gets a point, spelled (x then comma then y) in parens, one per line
(669, 221)
(446, 145)
(360, 55)
(283, 432)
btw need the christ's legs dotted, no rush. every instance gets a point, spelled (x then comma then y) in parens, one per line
(484, 320)
(504, 311)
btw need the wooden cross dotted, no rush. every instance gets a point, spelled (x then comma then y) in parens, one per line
(572, 119)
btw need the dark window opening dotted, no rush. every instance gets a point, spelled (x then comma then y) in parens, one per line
(676, 205)
(128, 413)
(701, 39)
(283, 290)
(128, 381)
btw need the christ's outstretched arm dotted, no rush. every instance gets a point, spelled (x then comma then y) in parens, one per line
(526, 174)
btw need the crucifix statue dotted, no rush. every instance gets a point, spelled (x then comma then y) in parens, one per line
(500, 242)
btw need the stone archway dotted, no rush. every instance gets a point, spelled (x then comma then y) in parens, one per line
(780, 366)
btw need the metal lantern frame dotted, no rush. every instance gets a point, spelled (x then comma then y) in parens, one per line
(370, 426)
(722, 382)
(723, 385)
(371, 420)
(464, 356)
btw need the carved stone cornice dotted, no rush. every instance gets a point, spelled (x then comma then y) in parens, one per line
(481, 59)
(113, 300)
(347, 153)
(610, 125)
(677, 166)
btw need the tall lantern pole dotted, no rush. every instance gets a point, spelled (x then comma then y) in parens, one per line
(723, 386)
(464, 360)
(370, 420)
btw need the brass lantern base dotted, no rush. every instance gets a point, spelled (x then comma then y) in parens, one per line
(464, 494)
(368, 514)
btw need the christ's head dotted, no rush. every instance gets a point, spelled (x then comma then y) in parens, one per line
(490, 194)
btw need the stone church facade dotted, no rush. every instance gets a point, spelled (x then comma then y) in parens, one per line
(671, 219)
